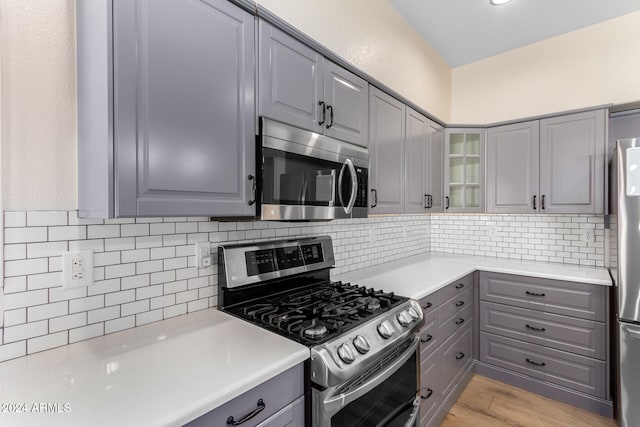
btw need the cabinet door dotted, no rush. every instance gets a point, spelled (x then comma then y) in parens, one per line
(291, 415)
(435, 153)
(512, 168)
(464, 170)
(416, 146)
(184, 108)
(572, 163)
(289, 79)
(386, 153)
(347, 98)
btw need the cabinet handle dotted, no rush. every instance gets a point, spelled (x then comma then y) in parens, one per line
(460, 321)
(534, 203)
(533, 328)
(459, 303)
(535, 363)
(330, 108)
(427, 339)
(429, 393)
(260, 408)
(459, 356)
(447, 199)
(427, 306)
(375, 197)
(542, 202)
(430, 201)
(324, 112)
(426, 201)
(253, 189)
(535, 294)
(460, 286)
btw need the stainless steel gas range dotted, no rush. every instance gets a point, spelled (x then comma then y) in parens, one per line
(364, 343)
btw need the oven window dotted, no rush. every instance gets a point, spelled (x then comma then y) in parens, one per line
(374, 406)
(293, 179)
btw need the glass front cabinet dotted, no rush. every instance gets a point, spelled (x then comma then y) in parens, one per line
(464, 170)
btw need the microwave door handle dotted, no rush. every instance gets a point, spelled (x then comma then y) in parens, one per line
(354, 186)
(340, 185)
(335, 403)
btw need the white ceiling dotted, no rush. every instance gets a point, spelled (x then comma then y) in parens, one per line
(464, 31)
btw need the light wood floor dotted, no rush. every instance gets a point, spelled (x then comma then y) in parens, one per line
(489, 403)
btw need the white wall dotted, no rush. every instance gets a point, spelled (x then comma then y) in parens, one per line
(595, 65)
(373, 35)
(39, 125)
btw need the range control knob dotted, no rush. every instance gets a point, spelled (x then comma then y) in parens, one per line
(404, 318)
(385, 329)
(346, 353)
(413, 313)
(361, 344)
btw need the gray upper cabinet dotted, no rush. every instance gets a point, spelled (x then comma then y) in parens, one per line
(299, 87)
(171, 85)
(464, 170)
(555, 165)
(423, 164)
(346, 97)
(512, 168)
(386, 153)
(290, 79)
(572, 161)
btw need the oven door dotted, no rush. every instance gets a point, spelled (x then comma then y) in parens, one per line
(384, 396)
(306, 176)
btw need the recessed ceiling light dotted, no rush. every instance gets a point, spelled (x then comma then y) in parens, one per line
(498, 2)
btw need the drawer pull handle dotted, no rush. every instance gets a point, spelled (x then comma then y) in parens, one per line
(427, 306)
(260, 408)
(459, 356)
(535, 294)
(460, 286)
(535, 363)
(427, 339)
(533, 328)
(460, 321)
(429, 393)
(459, 303)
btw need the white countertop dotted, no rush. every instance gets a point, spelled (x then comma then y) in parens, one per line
(165, 373)
(420, 275)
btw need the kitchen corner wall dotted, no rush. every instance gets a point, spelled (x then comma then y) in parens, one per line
(144, 268)
(548, 238)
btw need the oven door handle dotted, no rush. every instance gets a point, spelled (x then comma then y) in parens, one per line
(411, 403)
(354, 186)
(334, 403)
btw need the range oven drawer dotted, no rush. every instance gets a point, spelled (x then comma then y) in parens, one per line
(274, 395)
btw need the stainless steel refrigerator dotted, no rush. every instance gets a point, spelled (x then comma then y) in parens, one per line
(626, 206)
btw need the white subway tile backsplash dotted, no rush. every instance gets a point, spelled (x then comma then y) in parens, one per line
(61, 294)
(119, 324)
(121, 244)
(71, 232)
(134, 307)
(174, 310)
(102, 314)
(15, 317)
(67, 322)
(13, 350)
(15, 284)
(103, 231)
(148, 292)
(135, 255)
(47, 311)
(86, 304)
(48, 249)
(25, 235)
(86, 332)
(25, 331)
(121, 297)
(120, 270)
(133, 230)
(47, 342)
(46, 218)
(134, 281)
(148, 317)
(25, 299)
(16, 251)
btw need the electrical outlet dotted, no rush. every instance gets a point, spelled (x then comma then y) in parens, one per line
(203, 254)
(587, 235)
(77, 269)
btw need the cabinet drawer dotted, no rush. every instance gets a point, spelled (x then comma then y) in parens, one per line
(430, 302)
(275, 393)
(430, 391)
(455, 354)
(429, 335)
(455, 304)
(567, 298)
(580, 336)
(456, 322)
(559, 367)
(291, 415)
(456, 287)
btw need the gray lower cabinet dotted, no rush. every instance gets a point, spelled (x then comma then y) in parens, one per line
(554, 165)
(298, 86)
(166, 112)
(423, 164)
(446, 348)
(386, 153)
(547, 336)
(281, 399)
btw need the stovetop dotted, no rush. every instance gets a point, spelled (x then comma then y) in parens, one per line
(318, 312)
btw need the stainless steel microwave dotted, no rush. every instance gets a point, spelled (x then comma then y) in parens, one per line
(306, 176)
